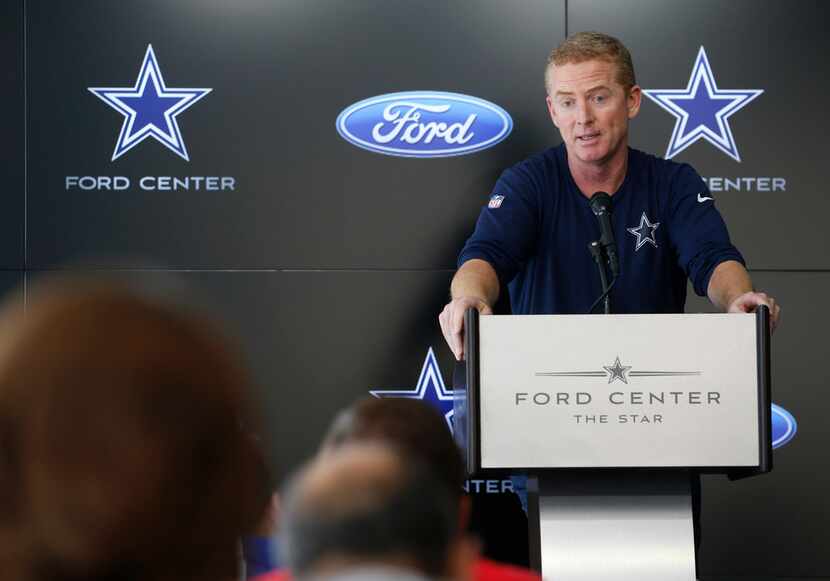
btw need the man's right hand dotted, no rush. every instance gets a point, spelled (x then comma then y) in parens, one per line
(452, 321)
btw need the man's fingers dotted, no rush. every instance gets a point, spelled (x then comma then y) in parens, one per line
(457, 318)
(747, 303)
(444, 320)
(458, 346)
(457, 330)
(458, 313)
(764, 299)
(754, 300)
(451, 329)
(775, 318)
(451, 321)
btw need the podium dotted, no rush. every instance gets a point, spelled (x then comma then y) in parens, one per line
(612, 417)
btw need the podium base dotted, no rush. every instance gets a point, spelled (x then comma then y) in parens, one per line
(616, 524)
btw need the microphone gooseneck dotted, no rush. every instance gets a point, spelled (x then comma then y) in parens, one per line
(601, 207)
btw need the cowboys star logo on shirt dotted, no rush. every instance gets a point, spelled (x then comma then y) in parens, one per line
(495, 201)
(644, 232)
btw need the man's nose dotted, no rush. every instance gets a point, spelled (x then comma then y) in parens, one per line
(584, 114)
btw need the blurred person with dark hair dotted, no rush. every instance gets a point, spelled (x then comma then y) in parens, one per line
(122, 449)
(420, 433)
(417, 428)
(365, 511)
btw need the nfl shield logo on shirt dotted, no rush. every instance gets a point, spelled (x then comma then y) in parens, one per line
(495, 201)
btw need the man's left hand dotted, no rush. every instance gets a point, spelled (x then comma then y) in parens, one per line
(748, 302)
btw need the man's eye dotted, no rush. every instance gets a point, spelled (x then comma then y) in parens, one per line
(600, 98)
(566, 103)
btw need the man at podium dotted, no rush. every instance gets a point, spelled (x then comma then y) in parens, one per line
(533, 236)
(661, 225)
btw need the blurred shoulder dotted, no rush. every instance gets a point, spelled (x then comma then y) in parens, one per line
(487, 570)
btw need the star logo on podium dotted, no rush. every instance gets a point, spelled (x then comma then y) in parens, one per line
(429, 388)
(617, 371)
(642, 235)
(150, 108)
(701, 110)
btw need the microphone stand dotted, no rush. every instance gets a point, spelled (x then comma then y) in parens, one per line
(604, 250)
(599, 257)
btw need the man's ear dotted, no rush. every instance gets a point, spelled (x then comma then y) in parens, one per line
(551, 110)
(635, 97)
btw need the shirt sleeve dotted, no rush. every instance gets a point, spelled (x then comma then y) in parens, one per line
(697, 230)
(507, 227)
(260, 554)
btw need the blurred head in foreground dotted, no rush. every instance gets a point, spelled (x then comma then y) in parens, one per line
(420, 432)
(366, 511)
(122, 450)
(414, 427)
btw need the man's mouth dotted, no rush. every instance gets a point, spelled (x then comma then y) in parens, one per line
(588, 137)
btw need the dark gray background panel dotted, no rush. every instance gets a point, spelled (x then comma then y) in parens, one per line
(12, 286)
(12, 130)
(776, 524)
(281, 72)
(778, 46)
(318, 340)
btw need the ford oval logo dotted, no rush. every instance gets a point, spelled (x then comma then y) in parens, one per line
(784, 426)
(424, 124)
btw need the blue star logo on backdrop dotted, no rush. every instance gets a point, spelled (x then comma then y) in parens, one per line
(702, 110)
(149, 108)
(430, 388)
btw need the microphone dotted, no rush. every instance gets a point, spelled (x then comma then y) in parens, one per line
(601, 207)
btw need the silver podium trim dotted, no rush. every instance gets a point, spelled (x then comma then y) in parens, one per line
(616, 525)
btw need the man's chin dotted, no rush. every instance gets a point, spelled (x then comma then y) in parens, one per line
(591, 154)
(594, 154)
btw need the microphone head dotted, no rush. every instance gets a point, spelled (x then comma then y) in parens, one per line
(600, 203)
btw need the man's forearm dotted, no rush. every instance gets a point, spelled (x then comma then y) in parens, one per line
(476, 278)
(729, 281)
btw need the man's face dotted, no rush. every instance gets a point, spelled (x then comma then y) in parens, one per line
(591, 109)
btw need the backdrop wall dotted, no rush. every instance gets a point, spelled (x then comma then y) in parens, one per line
(331, 262)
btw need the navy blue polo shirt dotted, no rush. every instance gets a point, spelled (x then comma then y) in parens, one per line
(537, 225)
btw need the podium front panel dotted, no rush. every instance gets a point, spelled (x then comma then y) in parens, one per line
(619, 391)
